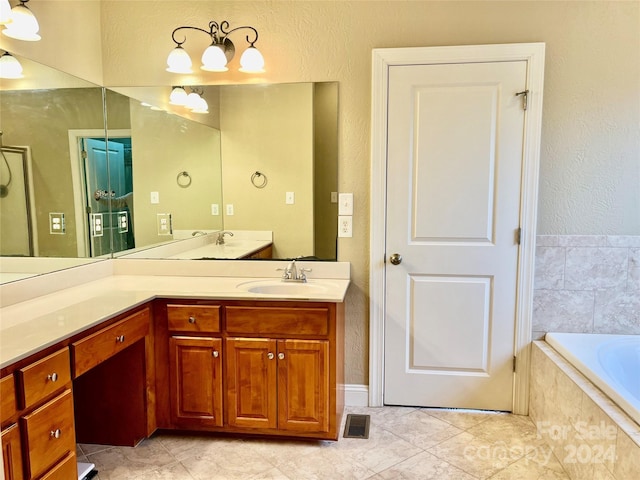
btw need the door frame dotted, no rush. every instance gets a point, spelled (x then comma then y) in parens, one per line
(78, 180)
(382, 59)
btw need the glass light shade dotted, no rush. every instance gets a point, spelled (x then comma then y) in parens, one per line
(252, 61)
(214, 59)
(23, 25)
(193, 100)
(179, 61)
(178, 96)
(5, 12)
(201, 107)
(10, 67)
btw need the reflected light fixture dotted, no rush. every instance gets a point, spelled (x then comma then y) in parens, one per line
(10, 66)
(219, 53)
(5, 12)
(178, 96)
(23, 24)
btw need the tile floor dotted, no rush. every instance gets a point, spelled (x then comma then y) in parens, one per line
(403, 443)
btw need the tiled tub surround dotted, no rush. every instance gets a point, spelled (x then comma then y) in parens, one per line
(589, 434)
(587, 284)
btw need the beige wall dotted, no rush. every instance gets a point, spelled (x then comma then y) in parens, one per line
(279, 145)
(163, 146)
(590, 177)
(41, 120)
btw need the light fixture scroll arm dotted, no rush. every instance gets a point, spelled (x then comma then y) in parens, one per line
(225, 24)
(178, 43)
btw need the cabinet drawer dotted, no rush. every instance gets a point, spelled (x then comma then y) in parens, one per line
(50, 435)
(44, 377)
(277, 320)
(7, 398)
(65, 470)
(96, 348)
(194, 318)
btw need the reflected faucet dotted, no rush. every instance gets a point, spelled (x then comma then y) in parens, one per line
(198, 232)
(220, 239)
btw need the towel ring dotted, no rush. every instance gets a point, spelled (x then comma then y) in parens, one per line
(181, 181)
(256, 183)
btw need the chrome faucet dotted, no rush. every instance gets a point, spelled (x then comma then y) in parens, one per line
(294, 274)
(220, 239)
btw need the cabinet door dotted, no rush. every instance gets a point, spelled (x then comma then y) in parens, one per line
(196, 381)
(251, 382)
(11, 453)
(303, 385)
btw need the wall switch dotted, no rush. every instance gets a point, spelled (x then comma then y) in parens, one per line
(164, 224)
(345, 226)
(155, 197)
(215, 210)
(290, 198)
(97, 229)
(345, 204)
(334, 197)
(229, 208)
(56, 224)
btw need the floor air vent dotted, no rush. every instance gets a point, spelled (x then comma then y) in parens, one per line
(357, 426)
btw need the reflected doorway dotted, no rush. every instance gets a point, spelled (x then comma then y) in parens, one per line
(103, 191)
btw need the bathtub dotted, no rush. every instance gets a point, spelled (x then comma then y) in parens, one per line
(611, 362)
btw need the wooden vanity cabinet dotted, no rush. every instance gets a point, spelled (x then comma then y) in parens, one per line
(251, 367)
(195, 366)
(37, 402)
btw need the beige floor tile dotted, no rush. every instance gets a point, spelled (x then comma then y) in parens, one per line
(463, 419)
(528, 469)
(424, 466)
(421, 429)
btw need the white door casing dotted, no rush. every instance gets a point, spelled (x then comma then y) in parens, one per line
(385, 60)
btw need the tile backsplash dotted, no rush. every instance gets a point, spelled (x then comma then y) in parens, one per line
(587, 284)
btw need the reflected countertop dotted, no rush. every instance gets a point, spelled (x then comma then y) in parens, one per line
(70, 302)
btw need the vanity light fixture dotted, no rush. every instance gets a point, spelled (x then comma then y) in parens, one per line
(219, 53)
(23, 24)
(10, 66)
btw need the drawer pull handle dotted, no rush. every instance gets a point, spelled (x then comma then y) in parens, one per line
(53, 377)
(281, 356)
(270, 356)
(120, 339)
(55, 433)
(215, 354)
(192, 319)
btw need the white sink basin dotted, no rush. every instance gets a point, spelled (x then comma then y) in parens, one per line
(283, 288)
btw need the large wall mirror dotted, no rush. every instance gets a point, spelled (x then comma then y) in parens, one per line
(88, 189)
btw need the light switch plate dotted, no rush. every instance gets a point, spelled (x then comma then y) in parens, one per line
(290, 198)
(56, 223)
(155, 197)
(345, 204)
(334, 197)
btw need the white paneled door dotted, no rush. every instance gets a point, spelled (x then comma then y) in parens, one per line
(454, 175)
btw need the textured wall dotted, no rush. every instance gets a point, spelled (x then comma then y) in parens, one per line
(590, 173)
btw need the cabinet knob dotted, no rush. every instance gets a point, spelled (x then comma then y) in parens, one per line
(55, 433)
(215, 354)
(53, 377)
(270, 356)
(120, 339)
(281, 356)
(192, 319)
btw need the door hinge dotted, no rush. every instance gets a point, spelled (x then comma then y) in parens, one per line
(525, 94)
(514, 364)
(84, 154)
(519, 235)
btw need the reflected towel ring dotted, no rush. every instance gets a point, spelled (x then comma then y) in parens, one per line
(255, 182)
(182, 182)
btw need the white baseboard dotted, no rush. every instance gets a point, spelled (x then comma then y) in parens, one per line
(356, 395)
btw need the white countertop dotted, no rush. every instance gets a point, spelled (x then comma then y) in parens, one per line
(92, 294)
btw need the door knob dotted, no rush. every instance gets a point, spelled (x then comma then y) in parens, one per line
(395, 259)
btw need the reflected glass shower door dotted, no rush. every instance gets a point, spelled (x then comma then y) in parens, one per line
(17, 228)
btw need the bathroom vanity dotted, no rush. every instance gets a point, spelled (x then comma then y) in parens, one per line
(113, 359)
